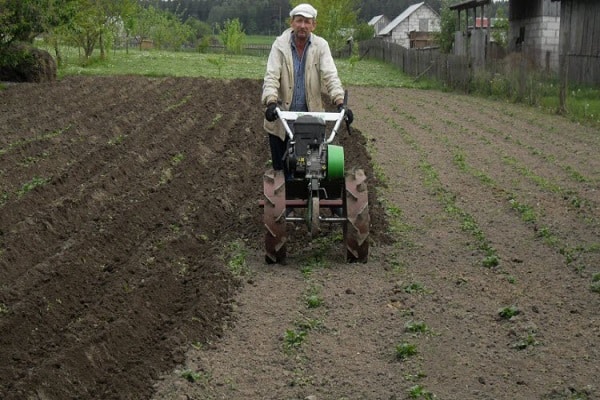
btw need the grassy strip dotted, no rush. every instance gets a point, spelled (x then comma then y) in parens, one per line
(156, 63)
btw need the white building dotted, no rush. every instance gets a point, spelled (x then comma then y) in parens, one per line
(416, 21)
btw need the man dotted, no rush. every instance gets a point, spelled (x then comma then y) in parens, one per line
(299, 63)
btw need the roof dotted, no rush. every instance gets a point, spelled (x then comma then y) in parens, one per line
(469, 4)
(390, 27)
(375, 19)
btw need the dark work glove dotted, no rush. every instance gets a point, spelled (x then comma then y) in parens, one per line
(349, 116)
(270, 113)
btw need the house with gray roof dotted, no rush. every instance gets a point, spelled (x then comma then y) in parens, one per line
(417, 21)
(378, 23)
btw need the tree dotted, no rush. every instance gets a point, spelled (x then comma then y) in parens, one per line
(233, 36)
(87, 27)
(445, 37)
(20, 22)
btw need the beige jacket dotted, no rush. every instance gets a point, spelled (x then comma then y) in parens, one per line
(279, 79)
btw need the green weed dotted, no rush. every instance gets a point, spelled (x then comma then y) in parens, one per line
(418, 391)
(32, 184)
(177, 159)
(313, 298)
(215, 120)
(180, 103)
(193, 376)
(416, 327)
(490, 261)
(117, 140)
(237, 258)
(527, 213)
(509, 312)
(526, 342)
(293, 338)
(405, 350)
(415, 287)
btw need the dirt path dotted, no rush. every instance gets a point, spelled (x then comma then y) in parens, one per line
(131, 260)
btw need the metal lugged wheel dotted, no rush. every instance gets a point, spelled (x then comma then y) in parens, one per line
(356, 226)
(274, 216)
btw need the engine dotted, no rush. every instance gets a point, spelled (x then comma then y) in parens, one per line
(307, 153)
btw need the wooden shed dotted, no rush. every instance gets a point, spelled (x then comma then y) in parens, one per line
(534, 31)
(471, 39)
(580, 40)
(416, 18)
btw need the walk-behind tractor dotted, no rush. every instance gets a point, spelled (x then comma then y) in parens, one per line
(314, 188)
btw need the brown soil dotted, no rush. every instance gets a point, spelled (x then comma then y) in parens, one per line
(125, 201)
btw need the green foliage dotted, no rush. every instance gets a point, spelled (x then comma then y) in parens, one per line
(313, 298)
(509, 312)
(528, 341)
(193, 376)
(445, 38)
(199, 30)
(405, 350)
(500, 29)
(416, 327)
(418, 392)
(237, 258)
(232, 35)
(293, 338)
(163, 28)
(32, 184)
(363, 31)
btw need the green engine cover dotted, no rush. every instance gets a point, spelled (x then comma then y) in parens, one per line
(335, 162)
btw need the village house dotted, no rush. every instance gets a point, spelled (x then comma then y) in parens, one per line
(378, 23)
(413, 28)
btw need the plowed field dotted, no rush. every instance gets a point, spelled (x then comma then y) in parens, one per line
(132, 263)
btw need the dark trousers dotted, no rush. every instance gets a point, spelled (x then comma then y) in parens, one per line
(278, 150)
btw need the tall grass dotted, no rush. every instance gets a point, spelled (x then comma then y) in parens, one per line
(538, 90)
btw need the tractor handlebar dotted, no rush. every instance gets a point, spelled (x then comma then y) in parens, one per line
(336, 117)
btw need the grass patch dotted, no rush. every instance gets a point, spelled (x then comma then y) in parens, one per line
(158, 63)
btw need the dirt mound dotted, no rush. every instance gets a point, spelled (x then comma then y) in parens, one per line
(120, 200)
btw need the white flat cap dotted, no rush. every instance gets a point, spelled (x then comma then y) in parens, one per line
(304, 9)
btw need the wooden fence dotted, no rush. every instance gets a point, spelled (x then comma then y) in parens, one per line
(455, 71)
(460, 71)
